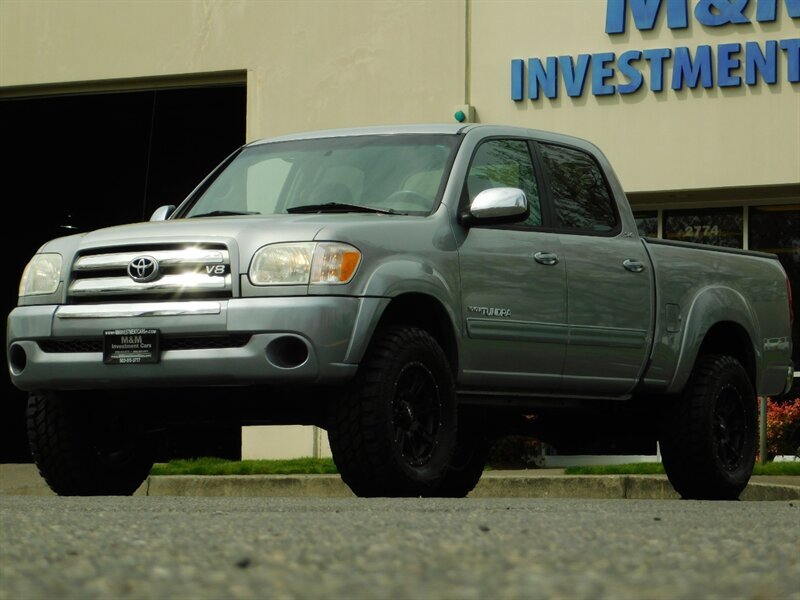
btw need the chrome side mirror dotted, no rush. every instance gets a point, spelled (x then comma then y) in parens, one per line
(162, 212)
(496, 206)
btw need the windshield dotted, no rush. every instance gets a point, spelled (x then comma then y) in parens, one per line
(373, 173)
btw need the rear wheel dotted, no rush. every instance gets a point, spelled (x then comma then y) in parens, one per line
(86, 446)
(394, 433)
(710, 433)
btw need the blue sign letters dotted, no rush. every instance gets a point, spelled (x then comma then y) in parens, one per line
(723, 65)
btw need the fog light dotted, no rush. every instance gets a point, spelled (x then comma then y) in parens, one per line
(17, 358)
(287, 352)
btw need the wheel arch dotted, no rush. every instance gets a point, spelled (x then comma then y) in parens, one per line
(415, 309)
(719, 321)
(728, 337)
(428, 313)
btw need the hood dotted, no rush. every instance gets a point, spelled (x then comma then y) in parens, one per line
(275, 227)
(246, 233)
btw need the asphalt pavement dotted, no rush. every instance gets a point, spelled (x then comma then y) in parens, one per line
(24, 479)
(375, 549)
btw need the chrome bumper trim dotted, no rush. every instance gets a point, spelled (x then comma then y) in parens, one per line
(186, 282)
(142, 309)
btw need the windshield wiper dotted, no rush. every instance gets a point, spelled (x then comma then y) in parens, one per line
(340, 207)
(225, 213)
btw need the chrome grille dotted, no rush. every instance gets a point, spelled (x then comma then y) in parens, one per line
(184, 272)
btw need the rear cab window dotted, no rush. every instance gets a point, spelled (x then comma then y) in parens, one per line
(581, 199)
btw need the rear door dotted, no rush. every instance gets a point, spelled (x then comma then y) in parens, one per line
(609, 278)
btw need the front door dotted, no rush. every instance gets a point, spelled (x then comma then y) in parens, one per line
(513, 284)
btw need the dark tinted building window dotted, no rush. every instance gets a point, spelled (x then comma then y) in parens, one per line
(713, 226)
(647, 222)
(505, 163)
(581, 197)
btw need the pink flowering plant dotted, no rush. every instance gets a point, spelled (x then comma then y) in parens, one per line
(783, 427)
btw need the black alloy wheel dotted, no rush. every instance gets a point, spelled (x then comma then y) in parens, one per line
(729, 428)
(416, 414)
(393, 433)
(709, 434)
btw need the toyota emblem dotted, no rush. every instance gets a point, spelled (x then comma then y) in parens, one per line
(143, 269)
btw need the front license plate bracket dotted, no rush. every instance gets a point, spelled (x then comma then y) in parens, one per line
(131, 346)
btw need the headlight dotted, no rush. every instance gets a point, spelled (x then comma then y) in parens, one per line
(303, 263)
(41, 275)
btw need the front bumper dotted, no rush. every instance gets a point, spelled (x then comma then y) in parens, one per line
(279, 340)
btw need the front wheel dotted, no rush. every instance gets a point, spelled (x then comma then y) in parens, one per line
(86, 446)
(394, 433)
(709, 434)
(469, 458)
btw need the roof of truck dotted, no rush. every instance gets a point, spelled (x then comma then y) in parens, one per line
(430, 128)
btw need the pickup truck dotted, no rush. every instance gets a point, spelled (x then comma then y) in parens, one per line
(415, 291)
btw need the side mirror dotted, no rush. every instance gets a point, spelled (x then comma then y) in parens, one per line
(496, 206)
(162, 212)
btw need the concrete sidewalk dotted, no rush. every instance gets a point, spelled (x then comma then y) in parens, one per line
(24, 480)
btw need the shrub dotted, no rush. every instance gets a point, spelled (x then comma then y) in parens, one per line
(515, 452)
(783, 427)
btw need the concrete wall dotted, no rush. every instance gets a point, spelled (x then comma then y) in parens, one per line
(319, 64)
(310, 64)
(289, 441)
(702, 138)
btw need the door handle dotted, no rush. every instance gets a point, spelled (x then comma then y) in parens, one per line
(545, 258)
(633, 266)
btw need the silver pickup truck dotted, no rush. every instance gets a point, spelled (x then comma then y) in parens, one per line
(413, 290)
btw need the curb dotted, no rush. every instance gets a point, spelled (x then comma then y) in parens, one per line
(24, 480)
(632, 487)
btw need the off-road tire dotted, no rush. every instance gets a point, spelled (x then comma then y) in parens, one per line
(393, 433)
(469, 459)
(83, 448)
(709, 434)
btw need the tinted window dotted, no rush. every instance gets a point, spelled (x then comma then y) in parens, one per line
(713, 226)
(581, 198)
(647, 223)
(505, 163)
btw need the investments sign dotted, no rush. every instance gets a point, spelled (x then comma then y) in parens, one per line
(722, 65)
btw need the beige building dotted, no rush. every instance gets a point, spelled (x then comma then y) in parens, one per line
(696, 103)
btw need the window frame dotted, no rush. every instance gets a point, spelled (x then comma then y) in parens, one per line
(551, 202)
(463, 204)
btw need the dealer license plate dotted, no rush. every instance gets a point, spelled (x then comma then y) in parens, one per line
(130, 346)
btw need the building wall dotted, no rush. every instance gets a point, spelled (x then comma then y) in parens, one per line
(287, 441)
(320, 64)
(672, 140)
(310, 65)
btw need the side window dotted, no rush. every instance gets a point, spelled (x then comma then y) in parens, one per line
(505, 163)
(581, 197)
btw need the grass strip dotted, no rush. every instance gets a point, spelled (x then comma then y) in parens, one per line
(771, 468)
(310, 466)
(219, 466)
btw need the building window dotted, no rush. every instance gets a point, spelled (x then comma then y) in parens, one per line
(647, 222)
(714, 226)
